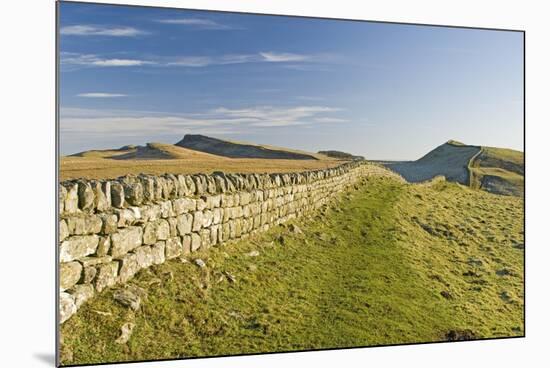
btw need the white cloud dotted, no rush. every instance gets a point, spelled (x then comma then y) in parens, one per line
(191, 61)
(89, 30)
(79, 122)
(199, 23)
(274, 57)
(329, 120)
(94, 60)
(101, 95)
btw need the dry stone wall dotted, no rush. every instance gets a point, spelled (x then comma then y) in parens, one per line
(110, 229)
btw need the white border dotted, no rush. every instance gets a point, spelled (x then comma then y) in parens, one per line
(27, 184)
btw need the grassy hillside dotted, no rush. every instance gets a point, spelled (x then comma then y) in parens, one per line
(234, 149)
(387, 263)
(496, 170)
(499, 170)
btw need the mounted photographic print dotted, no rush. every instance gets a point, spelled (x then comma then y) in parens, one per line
(233, 183)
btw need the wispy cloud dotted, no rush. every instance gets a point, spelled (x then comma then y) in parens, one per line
(92, 60)
(197, 23)
(78, 122)
(90, 30)
(101, 95)
(275, 57)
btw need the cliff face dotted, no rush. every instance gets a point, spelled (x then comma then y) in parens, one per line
(239, 150)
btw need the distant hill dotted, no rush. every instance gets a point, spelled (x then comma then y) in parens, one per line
(151, 151)
(242, 149)
(496, 170)
(341, 155)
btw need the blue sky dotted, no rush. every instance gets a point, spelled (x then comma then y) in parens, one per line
(132, 75)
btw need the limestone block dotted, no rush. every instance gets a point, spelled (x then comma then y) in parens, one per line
(69, 274)
(144, 256)
(157, 251)
(109, 223)
(78, 246)
(125, 240)
(67, 306)
(100, 199)
(186, 244)
(184, 223)
(81, 293)
(197, 220)
(71, 199)
(106, 275)
(117, 194)
(184, 205)
(195, 242)
(173, 248)
(128, 267)
(63, 230)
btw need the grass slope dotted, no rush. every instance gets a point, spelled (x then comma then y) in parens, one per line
(499, 170)
(388, 263)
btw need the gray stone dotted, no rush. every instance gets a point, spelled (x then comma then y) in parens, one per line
(127, 298)
(106, 275)
(184, 223)
(67, 306)
(217, 216)
(100, 199)
(199, 262)
(197, 221)
(86, 196)
(253, 253)
(150, 233)
(163, 230)
(69, 274)
(184, 205)
(103, 246)
(166, 209)
(117, 194)
(78, 246)
(186, 244)
(150, 213)
(207, 218)
(71, 199)
(128, 268)
(81, 293)
(63, 230)
(88, 275)
(83, 225)
(205, 238)
(62, 194)
(133, 193)
(94, 261)
(195, 242)
(125, 240)
(144, 256)
(109, 225)
(157, 251)
(125, 333)
(173, 224)
(173, 248)
(128, 216)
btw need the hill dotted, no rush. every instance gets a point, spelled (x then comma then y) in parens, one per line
(360, 272)
(235, 149)
(496, 170)
(341, 155)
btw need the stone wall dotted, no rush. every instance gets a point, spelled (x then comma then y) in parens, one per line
(110, 229)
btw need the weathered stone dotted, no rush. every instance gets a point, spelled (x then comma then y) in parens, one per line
(94, 261)
(207, 218)
(67, 306)
(133, 193)
(157, 251)
(106, 275)
(128, 216)
(144, 256)
(184, 205)
(109, 223)
(86, 196)
(88, 275)
(163, 230)
(128, 267)
(244, 198)
(62, 194)
(63, 230)
(195, 242)
(197, 221)
(69, 274)
(81, 293)
(82, 225)
(100, 199)
(199, 262)
(71, 199)
(103, 246)
(205, 238)
(150, 213)
(217, 216)
(78, 246)
(117, 194)
(184, 223)
(173, 248)
(125, 333)
(186, 244)
(125, 240)
(166, 209)
(214, 234)
(173, 225)
(150, 233)
(127, 298)
(201, 204)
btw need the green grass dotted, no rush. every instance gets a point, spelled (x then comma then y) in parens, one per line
(498, 170)
(368, 270)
